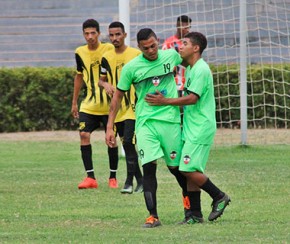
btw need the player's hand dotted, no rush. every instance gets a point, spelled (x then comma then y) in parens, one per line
(155, 99)
(110, 89)
(75, 111)
(110, 138)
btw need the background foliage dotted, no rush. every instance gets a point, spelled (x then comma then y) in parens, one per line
(35, 99)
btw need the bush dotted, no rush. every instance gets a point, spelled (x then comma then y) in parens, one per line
(34, 99)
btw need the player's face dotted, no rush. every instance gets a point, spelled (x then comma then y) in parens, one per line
(117, 37)
(187, 49)
(149, 48)
(183, 28)
(91, 35)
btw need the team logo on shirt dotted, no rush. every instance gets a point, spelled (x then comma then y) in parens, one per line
(155, 81)
(173, 155)
(186, 159)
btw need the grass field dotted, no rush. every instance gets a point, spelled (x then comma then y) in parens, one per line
(40, 202)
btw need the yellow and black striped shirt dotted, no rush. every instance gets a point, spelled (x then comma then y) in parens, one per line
(88, 63)
(111, 67)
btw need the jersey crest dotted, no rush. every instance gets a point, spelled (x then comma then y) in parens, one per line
(156, 81)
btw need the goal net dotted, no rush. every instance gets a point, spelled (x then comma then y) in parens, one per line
(267, 59)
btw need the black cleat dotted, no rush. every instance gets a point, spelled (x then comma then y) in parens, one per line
(127, 189)
(191, 220)
(139, 188)
(218, 207)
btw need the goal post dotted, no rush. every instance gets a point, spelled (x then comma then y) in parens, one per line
(248, 50)
(124, 17)
(243, 71)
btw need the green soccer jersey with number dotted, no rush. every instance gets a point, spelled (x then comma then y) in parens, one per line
(199, 122)
(149, 77)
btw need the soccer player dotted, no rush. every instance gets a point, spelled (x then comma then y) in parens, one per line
(111, 66)
(183, 25)
(151, 71)
(199, 127)
(94, 107)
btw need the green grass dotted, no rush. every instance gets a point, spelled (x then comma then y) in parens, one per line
(40, 202)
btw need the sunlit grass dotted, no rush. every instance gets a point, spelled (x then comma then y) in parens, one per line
(40, 202)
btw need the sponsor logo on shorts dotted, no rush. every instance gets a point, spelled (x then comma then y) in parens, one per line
(173, 155)
(186, 159)
(82, 125)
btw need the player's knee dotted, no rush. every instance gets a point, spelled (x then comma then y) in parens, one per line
(130, 150)
(174, 170)
(85, 136)
(149, 170)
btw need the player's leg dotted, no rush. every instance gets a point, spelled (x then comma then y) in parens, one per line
(149, 150)
(150, 189)
(194, 159)
(87, 124)
(220, 200)
(194, 215)
(129, 155)
(172, 145)
(133, 169)
(113, 158)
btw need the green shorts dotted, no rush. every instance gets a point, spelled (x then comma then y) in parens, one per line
(194, 157)
(156, 139)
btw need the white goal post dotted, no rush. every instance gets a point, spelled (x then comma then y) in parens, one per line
(248, 48)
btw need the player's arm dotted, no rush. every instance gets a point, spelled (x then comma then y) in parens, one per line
(114, 108)
(78, 82)
(103, 81)
(158, 99)
(110, 89)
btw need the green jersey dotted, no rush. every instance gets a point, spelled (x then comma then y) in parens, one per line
(148, 77)
(199, 122)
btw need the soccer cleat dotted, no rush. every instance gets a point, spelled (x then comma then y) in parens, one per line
(192, 220)
(88, 183)
(151, 222)
(113, 183)
(139, 188)
(218, 207)
(127, 189)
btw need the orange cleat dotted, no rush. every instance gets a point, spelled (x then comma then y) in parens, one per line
(151, 222)
(113, 183)
(88, 183)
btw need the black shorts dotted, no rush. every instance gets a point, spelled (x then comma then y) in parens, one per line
(126, 131)
(91, 122)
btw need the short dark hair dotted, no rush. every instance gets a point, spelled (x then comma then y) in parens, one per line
(184, 19)
(91, 23)
(145, 34)
(198, 39)
(117, 24)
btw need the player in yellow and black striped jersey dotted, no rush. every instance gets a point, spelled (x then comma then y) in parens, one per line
(111, 67)
(94, 107)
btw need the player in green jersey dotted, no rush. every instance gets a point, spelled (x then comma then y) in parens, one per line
(111, 67)
(199, 127)
(151, 71)
(94, 107)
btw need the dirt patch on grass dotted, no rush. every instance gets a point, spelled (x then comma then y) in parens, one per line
(223, 136)
(49, 136)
